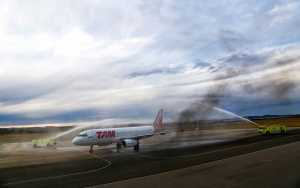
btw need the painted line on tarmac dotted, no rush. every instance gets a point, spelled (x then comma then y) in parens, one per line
(108, 163)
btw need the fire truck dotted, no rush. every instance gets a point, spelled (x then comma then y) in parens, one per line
(272, 129)
(39, 143)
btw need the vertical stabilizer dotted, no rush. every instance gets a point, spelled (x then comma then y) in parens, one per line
(158, 122)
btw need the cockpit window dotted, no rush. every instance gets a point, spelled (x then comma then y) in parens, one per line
(83, 134)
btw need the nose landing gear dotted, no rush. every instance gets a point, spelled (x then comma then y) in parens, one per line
(119, 145)
(137, 147)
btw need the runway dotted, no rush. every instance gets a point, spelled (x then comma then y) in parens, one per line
(107, 166)
(276, 167)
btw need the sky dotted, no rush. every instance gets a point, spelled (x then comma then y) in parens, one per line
(71, 60)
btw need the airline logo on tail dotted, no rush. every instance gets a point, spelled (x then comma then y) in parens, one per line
(158, 122)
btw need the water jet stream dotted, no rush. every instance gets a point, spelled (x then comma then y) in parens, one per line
(235, 115)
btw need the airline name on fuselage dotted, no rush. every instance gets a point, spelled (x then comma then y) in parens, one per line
(106, 134)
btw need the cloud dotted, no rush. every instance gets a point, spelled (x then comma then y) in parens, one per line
(153, 72)
(284, 12)
(232, 41)
(74, 60)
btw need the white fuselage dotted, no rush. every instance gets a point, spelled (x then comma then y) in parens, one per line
(107, 136)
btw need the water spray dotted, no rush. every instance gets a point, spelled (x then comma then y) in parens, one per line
(235, 115)
(66, 132)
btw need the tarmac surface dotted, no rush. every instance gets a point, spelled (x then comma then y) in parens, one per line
(261, 169)
(79, 169)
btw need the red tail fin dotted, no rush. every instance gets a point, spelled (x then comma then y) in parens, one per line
(158, 122)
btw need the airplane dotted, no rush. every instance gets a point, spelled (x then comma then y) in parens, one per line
(122, 136)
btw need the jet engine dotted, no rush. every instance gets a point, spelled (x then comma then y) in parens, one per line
(129, 142)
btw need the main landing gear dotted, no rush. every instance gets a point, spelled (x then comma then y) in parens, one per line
(91, 149)
(137, 146)
(119, 145)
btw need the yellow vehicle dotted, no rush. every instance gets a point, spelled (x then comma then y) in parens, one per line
(38, 143)
(272, 129)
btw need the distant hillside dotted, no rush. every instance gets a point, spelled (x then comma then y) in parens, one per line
(272, 116)
(46, 129)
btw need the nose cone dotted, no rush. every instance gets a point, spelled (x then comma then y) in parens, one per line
(76, 141)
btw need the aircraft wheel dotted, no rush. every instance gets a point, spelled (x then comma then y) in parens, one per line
(137, 147)
(118, 147)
